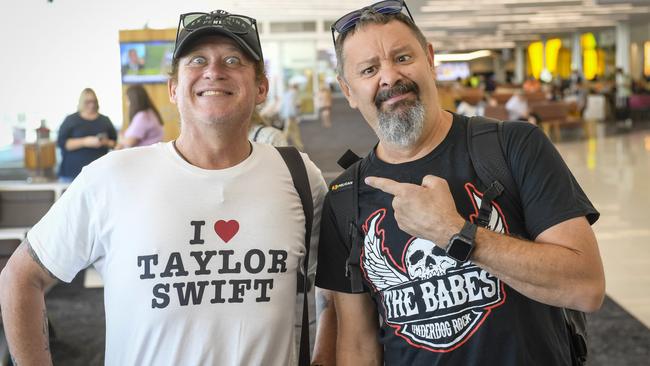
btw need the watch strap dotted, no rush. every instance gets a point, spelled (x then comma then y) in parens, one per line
(468, 231)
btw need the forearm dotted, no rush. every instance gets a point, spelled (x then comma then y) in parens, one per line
(351, 352)
(325, 343)
(109, 143)
(357, 330)
(127, 142)
(547, 272)
(72, 143)
(25, 322)
(561, 268)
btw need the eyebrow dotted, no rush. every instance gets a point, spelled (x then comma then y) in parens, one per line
(393, 52)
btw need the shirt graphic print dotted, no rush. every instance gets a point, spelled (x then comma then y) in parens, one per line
(429, 299)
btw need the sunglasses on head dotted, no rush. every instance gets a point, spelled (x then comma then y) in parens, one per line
(350, 20)
(237, 24)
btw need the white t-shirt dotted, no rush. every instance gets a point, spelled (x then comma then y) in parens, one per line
(199, 266)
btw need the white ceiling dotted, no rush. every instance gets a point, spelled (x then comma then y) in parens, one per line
(475, 24)
(471, 24)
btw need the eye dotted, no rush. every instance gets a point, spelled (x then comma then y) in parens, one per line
(232, 60)
(197, 60)
(404, 58)
(368, 71)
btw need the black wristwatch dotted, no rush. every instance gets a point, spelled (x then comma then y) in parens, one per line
(461, 245)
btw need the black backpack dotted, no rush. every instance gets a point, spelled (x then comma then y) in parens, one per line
(486, 150)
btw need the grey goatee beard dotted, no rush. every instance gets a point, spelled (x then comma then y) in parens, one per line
(402, 126)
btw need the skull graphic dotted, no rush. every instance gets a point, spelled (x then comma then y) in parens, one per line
(424, 260)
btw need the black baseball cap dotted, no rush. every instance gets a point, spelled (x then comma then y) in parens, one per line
(242, 29)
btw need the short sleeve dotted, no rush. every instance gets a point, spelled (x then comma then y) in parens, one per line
(549, 192)
(64, 132)
(64, 238)
(110, 129)
(138, 127)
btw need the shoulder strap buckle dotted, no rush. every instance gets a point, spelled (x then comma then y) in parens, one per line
(485, 212)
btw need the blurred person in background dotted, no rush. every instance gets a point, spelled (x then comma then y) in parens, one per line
(145, 123)
(517, 107)
(324, 102)
(531, 85)
(623, 91)
(84, 136)
(261, 131)
(289, 111)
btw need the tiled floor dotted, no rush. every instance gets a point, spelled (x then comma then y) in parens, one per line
(615, 173)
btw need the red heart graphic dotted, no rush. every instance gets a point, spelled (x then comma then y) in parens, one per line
(226, 229)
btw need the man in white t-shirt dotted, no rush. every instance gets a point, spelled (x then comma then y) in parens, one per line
(198, 241)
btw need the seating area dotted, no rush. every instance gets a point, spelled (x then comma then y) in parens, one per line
(552, 116)
(639, 106)
(576, 110)
(497, 112)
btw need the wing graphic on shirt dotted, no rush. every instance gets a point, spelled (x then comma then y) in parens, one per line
(496, 222)
(375, 264)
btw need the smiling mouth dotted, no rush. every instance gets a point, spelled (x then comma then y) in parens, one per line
(208, 93)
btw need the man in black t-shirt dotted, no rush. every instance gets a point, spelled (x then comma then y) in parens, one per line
(437, 289)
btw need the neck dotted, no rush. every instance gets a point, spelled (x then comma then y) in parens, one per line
(88, 115)
(434, 132)
(213, 149)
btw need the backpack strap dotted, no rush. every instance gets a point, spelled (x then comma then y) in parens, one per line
(257, 133)
(485, 146)
(300, 179)
(351, 162)
(355, 235)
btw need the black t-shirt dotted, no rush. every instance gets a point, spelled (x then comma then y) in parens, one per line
(74, 127)
(433, 310)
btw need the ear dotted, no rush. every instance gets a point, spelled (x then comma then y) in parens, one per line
(171, 90)
(262, 90)
(345, 88)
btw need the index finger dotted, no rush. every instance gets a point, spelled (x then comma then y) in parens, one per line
(387, 185)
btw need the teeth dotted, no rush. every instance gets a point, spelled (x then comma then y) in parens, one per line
(213, 92)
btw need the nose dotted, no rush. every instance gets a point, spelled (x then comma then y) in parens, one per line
(389, 75)
(214, 71)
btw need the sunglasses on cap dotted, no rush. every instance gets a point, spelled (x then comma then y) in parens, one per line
(241, 28)
(350, 20)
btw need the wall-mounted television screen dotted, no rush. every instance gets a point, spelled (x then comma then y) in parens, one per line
(448, 71)
(146, 62)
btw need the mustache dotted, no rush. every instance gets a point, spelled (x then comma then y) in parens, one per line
(400, 88)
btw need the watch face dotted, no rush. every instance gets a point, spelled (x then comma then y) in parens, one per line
(459, 249)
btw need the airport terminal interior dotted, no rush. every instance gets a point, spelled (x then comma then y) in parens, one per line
(578, 69)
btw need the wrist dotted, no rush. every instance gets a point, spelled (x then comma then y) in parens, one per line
(455, 226)
(461, 245)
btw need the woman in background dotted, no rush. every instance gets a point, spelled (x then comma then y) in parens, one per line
(145, 124)
(84, 136)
